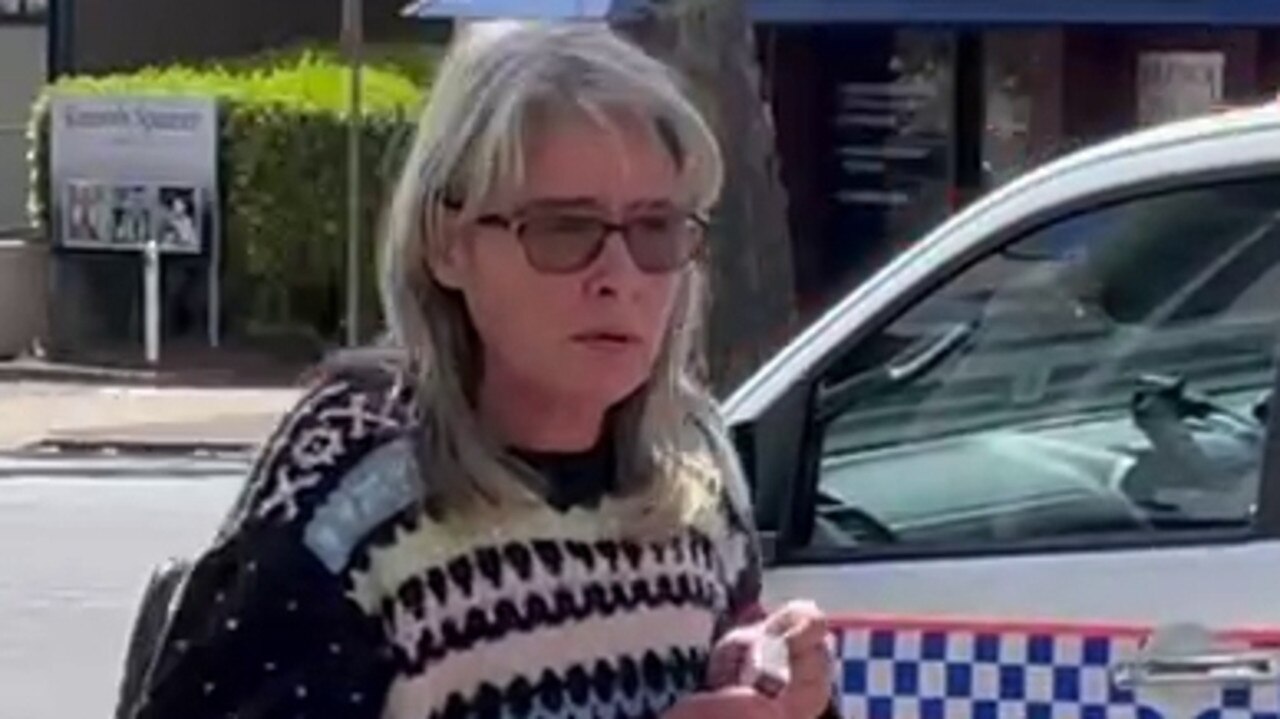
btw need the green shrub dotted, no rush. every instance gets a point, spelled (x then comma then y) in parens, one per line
(282, 166)
(415, 61)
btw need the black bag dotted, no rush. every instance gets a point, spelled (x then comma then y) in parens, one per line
(159, 600)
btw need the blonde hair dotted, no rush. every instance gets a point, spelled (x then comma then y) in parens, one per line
(494, 82)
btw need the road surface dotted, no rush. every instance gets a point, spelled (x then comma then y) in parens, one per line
(78, 538)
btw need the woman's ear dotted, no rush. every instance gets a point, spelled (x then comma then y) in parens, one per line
(446, 259)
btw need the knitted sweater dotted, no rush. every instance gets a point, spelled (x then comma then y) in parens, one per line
(331, 593)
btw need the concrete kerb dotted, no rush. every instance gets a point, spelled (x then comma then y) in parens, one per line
(23, 370)
(150, 448)
(118, 418)
(20, 371)
(134, 462)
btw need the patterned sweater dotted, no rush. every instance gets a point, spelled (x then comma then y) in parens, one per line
(330, 593)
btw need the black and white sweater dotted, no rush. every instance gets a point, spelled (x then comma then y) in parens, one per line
(332, 594)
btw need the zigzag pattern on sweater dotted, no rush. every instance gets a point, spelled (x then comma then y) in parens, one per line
(625, 687)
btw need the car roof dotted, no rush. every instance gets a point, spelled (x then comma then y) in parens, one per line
(1231, 140)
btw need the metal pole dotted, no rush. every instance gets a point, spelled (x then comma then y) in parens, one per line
(353, 38)
(151, 299)
(215, 263)
(59, 39)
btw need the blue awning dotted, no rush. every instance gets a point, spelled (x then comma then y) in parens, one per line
(524, 9)
(947, 12)
(1021, 12)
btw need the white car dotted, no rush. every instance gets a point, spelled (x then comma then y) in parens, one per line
(1026, 467)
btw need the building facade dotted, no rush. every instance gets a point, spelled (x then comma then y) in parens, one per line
(886, 128)
(22, 73)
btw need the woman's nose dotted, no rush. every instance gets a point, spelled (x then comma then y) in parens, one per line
(614, 271)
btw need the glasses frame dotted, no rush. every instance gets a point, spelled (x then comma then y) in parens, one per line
(515, 224)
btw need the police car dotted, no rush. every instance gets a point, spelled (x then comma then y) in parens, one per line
(1027, 467)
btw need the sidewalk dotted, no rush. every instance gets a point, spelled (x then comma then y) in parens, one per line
(96, 415)
(228, 399)
(184, 364)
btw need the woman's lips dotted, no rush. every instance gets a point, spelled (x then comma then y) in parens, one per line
(607, 341)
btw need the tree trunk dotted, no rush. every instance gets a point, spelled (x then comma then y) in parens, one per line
(752, 285)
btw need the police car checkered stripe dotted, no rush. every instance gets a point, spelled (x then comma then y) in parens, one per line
(941, 673)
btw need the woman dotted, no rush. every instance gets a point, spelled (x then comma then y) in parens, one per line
(533, 511)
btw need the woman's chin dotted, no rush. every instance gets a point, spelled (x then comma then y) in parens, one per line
(608, 388)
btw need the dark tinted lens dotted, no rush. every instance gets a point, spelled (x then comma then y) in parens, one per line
(663, 243)
(561, 243)
(568, 243)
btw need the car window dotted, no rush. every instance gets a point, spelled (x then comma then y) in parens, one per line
(1105, 373)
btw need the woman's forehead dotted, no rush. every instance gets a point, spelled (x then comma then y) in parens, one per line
(582, 161)
(617, 136)
(590, 203)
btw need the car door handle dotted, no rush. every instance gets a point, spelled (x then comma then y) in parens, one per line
(1248, 667)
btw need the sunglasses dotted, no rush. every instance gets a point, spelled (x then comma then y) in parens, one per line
(563, 242)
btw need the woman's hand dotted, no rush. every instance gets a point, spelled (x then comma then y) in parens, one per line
(733, 702)
(804, 628)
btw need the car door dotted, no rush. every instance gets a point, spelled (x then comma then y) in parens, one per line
(1039, 487)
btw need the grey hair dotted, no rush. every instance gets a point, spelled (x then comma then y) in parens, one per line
(494, 83)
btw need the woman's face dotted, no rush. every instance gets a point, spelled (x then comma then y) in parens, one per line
(555, 329)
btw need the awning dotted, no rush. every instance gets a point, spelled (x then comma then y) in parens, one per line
(524, 9)
(947, 12)
(1021, 12)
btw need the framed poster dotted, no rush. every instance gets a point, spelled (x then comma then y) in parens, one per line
(125, 170)
(178, 221)
(1177, 85)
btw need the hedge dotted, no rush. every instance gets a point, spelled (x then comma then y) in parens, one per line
(282, 165)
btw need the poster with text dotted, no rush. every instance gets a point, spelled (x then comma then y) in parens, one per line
(126, 170)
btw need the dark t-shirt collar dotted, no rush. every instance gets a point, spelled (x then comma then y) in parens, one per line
(575, 478)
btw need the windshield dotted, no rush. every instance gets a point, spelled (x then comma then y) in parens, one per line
(1064, 322)
(1108, 371)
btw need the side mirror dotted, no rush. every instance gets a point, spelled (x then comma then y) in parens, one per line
(743, 443)
(770, 446)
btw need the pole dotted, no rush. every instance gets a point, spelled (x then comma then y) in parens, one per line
(214, 276)
(151, 299)
(353, 38)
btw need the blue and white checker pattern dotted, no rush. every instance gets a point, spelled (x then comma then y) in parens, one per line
(1256, 702)
(888, 673)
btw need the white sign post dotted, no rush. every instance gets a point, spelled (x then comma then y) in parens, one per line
(1177, 85)
(151, 302)
(138, 174)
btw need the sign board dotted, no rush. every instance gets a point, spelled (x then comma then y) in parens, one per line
(1176, 85)
(124, 170)
(138, 174)
(893, 126)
